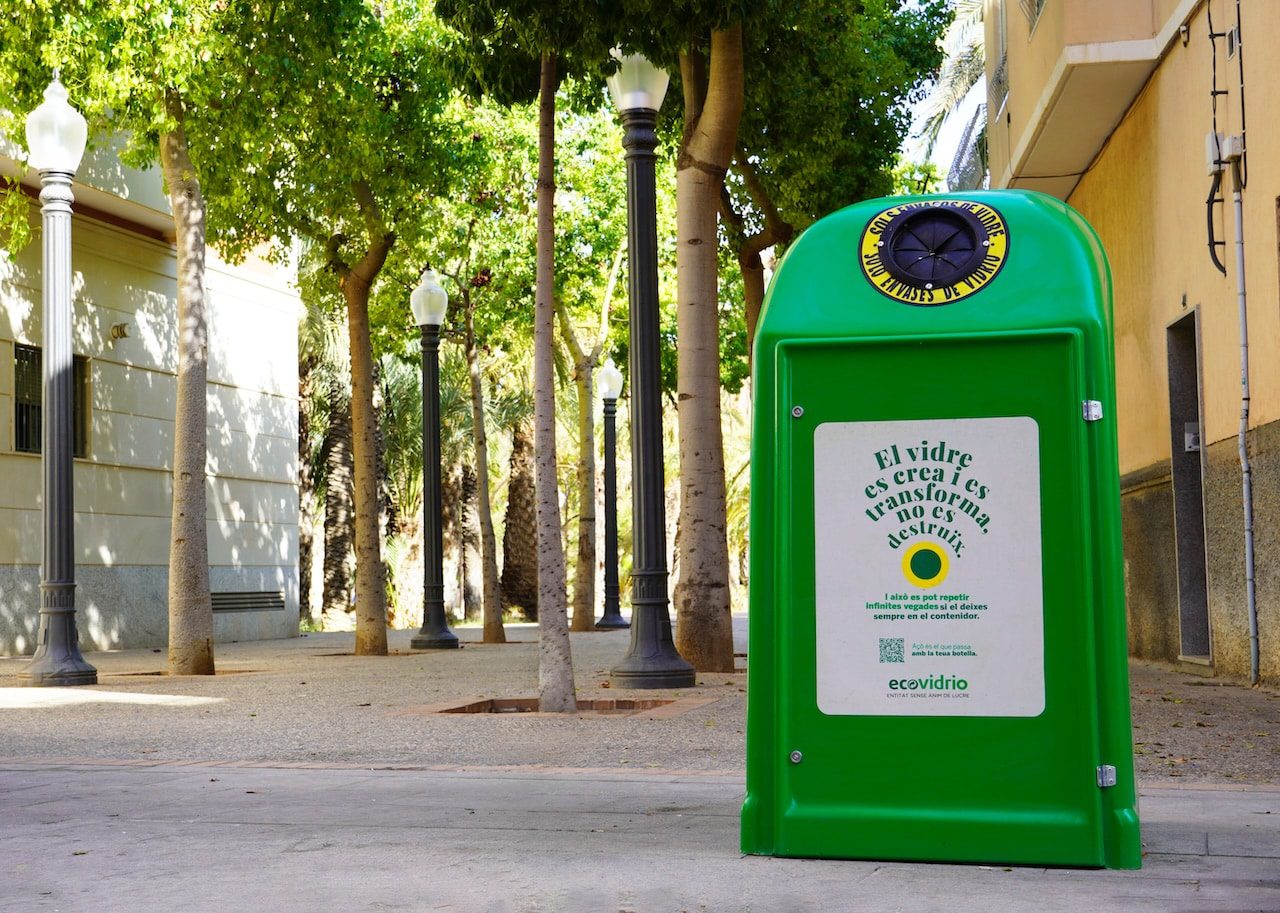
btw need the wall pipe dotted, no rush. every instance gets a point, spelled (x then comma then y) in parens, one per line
(1246, 473)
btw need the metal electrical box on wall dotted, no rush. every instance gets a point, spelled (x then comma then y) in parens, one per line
(937, 632)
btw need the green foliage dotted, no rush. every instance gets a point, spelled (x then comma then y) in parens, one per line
(497, 45)
(828, 88)
(322, 350)
(400, 383)
(734, 345)
(15, 216)
(117, 58)
(916, 177)
(591, 204)
(339, 121)
(479, 237)
(339, 130)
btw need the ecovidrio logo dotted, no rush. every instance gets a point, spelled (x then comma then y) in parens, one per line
(932, 683)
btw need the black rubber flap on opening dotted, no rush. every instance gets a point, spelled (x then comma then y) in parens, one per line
(933, 247)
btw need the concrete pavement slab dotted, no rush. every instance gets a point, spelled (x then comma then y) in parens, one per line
(305, 778)
(116, 839)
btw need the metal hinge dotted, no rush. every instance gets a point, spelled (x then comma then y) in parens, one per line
(1106, 776)
(1092, 410)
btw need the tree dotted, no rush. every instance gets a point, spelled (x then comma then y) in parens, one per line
(822, 131)
(150, 72)
(339, 497)
(350, 103)
(555, 667)
(591, 248)
(324, 447)
(713, 99)
(584, 363)
(484, 246)
(963, 67)
(520, 525)
(498, 39)
(732, 54)
(705, 38)
(190, 603)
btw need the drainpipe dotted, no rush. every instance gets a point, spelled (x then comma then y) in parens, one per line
(1233, 152)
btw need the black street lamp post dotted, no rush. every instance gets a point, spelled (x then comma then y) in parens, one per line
(652, 660)
(610, 388)
(430, 302)
(56, 135)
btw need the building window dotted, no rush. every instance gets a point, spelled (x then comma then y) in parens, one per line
(28, 397)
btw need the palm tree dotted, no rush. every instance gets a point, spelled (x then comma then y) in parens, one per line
(324, 449)
(963, 68)
(513, 413)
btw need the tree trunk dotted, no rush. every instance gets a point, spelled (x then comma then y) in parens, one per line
(371, 590)
(306, 552)
(775, 230)
(469, 540)
(190, 605)
(704, 632)
(387, 519)
(451, 546)
(752, 293)
(493, 631)
(338, 508)
(555, 662)
(584, 586)
(520, 527)
(306, 489)
(584, 580)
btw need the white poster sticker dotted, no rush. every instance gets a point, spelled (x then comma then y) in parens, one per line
(929, 592)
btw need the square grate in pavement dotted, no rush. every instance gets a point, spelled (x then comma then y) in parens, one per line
(652, 708)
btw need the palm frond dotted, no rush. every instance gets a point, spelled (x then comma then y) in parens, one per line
(964, 63)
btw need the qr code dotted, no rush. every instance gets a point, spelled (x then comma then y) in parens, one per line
(891, 650)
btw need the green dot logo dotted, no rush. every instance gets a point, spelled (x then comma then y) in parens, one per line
(925, 564)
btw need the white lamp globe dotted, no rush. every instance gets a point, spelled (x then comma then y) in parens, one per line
(56, 133)
(429, 300)
(610, 381)
(637, 83)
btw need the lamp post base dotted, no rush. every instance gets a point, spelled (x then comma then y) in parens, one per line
(436, 640)
(57, 661)
(653, 671)
(652, 660)
(49, 676)
(612, 623)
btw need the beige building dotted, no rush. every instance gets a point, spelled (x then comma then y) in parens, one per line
(1108, 105)
(125, 341)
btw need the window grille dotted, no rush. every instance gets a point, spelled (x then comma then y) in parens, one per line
(1032, 9)
(998, 88)
(28, 401)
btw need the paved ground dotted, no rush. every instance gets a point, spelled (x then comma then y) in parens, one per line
(302, 778)
(1194, 728)
(303, 700)
(218, 839)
